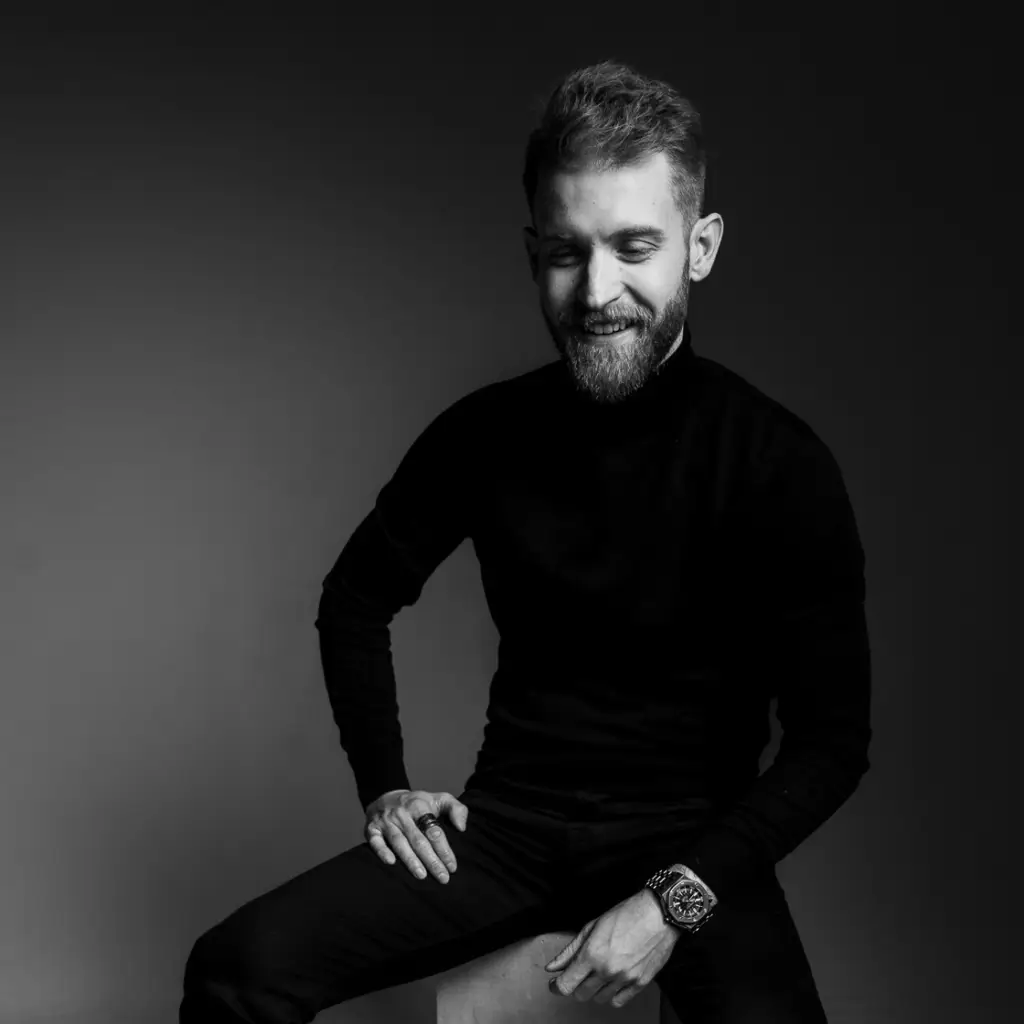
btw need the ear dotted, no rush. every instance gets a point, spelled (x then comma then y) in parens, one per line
(705, 241)
(532, 249)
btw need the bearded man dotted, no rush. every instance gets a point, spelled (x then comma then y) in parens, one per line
(664, 549)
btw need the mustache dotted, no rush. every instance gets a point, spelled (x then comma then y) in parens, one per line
(588, 321)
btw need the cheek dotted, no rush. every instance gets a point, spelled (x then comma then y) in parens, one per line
(557, 289)
(658, 290)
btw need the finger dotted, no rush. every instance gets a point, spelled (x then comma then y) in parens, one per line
(587, 988)
(435, 834)
(424, 849)
(610, 990)
(455, 809)
(624, 995)
(568, 952)
(566, 983)
(381, 848)
(397, 841)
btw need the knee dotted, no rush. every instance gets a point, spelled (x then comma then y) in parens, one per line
(229, 977)
(215, 956)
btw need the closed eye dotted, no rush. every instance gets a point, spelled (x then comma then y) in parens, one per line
(631, 254)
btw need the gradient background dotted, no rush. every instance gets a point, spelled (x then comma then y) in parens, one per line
(246, 259)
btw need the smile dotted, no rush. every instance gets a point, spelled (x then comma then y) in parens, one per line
(609, 331)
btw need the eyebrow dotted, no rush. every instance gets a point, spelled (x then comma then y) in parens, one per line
(637, 231)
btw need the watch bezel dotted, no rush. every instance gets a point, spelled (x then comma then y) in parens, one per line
(671, 898)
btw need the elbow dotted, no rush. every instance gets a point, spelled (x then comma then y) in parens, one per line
(855, 765)
(341, 609)
(325, 609)
(863, 764)
(854, 760)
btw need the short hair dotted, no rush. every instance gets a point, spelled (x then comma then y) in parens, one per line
(611, 114)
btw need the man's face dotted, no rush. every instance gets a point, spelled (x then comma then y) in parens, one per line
(611, 254)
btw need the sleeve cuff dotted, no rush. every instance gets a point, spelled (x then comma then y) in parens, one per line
(372, 784)
(725, 862)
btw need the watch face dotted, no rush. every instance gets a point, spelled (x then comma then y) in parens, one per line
(687, 902)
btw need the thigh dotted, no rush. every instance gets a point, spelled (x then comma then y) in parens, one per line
(747, 965)
(354, 924)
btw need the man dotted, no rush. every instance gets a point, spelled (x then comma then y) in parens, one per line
(663, 549)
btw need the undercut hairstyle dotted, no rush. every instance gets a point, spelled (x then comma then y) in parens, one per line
(610, 115)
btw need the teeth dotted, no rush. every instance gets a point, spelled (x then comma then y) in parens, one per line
(607, 328)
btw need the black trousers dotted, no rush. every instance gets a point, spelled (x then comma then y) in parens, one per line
(354, 924)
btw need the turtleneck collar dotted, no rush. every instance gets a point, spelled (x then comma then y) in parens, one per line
(660, 393)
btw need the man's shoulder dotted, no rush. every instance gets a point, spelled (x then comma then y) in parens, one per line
(488, 405)
(760, 423)
(520, 387)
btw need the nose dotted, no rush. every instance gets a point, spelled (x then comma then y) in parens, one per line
(600, 284)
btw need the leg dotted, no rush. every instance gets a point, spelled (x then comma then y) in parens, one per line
(354, 924)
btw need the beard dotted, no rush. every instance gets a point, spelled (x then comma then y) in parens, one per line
(609, 372)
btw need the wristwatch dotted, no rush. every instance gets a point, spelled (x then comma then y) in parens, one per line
(686, 901)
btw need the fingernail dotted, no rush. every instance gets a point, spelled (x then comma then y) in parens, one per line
(420, 873)
(444, 877)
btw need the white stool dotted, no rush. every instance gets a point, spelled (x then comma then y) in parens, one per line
(510, 986)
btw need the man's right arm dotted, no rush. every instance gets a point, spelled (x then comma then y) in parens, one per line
(421, 515)
(355, 652)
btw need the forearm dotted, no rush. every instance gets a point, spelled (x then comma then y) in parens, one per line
(355, 652)
(824, 707)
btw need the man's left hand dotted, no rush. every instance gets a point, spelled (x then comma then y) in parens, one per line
(615, 956)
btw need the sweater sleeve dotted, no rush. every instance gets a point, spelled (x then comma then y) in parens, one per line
(419, 518)
(802, 571)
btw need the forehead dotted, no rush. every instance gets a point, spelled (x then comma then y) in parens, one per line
(591, 200)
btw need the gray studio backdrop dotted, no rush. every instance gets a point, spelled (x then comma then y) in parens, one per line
(240, 273)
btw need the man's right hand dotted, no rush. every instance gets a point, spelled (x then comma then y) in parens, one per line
(391, 830)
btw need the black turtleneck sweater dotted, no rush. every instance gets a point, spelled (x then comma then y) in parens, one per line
(657, 569)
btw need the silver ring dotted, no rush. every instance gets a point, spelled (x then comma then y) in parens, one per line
(425, 821)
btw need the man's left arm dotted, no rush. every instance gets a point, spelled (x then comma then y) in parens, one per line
(805, 591)
(802, 580)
